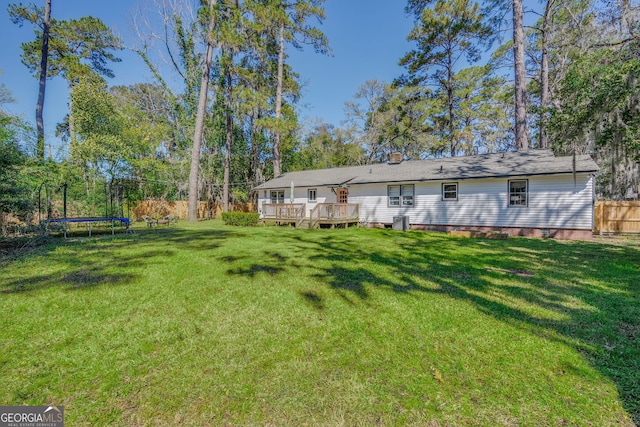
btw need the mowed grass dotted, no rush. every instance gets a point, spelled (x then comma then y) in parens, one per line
(204, 324)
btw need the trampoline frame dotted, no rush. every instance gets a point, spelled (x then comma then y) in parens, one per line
(88, 220)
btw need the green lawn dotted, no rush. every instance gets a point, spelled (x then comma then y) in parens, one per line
(206, 324)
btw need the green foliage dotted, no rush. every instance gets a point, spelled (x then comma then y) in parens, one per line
(445, 34)
(76, 46)
(297, 18)
(414, 119)
(600, 111)
(483, 103)
(405, 121)
(151, 128)
(13, 128)
(100, 130)
(75, 49)
(325, 147)
(14, 181)
(600, 92)
(276, 25)
(366, 127)
(126, 132)
(14, 195)
(243, 219)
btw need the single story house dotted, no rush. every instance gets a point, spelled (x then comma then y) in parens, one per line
(525, 193)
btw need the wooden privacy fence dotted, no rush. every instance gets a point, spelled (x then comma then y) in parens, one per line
(617, 217)
(180, 209)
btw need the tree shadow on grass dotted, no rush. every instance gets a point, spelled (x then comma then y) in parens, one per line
(80, 273)
(80, 279)
(271, 263)
(84, 263)
(206, 239)
(314, 299)
(255, 269)
(513, 281)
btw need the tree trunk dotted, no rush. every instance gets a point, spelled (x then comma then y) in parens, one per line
(522, 139)
(199, 125)
(43, 80)
(85, 177)
(228, 139)
(544, 76)
(276, 140)
(72, 124)
(3, 224)
(229, 122)
(452, 141)
(256, 164)
(614, 161)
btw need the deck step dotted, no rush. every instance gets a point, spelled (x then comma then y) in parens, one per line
(304, 223)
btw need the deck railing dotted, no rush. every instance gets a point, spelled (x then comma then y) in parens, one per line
(321, 213)
(334, 212)
(292, 212)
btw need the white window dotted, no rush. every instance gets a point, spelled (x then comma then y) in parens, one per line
(406, 192)
(312, 195)
(277, 196)
(518, 192)
(450, 191)
(400, 195)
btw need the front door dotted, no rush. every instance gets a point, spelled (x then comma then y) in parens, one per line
(343, 195)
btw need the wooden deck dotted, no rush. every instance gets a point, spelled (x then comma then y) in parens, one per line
(323, 214)
(284, 213)
(334, 214)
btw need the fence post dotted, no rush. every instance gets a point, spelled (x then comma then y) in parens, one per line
(599, 217)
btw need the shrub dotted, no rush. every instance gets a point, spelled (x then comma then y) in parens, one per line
(247, 219)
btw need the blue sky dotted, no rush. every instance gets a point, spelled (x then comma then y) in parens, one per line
(367, 37)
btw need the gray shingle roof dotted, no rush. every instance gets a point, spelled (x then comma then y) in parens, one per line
(533, 162)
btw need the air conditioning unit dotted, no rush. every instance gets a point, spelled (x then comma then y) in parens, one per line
(401, 223)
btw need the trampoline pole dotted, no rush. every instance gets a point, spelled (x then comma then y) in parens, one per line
(106, 200)
(48, 198)
(39, 204)
(64, 209)
(64, 201)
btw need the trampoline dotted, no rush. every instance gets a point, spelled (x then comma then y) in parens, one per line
(89, 221)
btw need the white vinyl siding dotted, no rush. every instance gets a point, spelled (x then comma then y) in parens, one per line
(552, 202)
